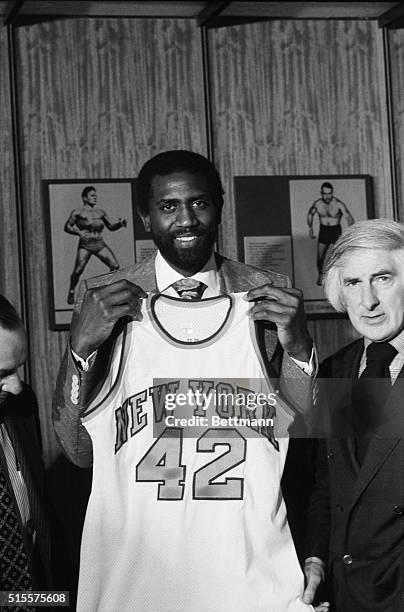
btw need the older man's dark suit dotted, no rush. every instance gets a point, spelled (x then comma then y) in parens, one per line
(357, 512)
(20, 416)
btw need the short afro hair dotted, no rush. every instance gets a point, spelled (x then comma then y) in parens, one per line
(178, 160)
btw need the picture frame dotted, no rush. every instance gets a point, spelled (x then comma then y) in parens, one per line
(103, 212)
(274, 215)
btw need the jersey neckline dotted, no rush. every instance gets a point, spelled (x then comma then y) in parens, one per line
(159, 327)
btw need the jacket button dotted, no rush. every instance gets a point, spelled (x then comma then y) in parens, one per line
(399, 510)
(330, 455)
(340, 507)
(347, 559)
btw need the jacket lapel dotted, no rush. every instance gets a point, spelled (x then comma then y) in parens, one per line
(142, 274)
(386, 436)
(22, 435)
(344, 373)
(235, 277)
(238, 277)
(378, 451)
(26, 457)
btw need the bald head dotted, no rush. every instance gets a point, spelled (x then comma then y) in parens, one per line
(13, 350)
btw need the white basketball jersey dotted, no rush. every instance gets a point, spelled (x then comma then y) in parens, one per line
(186, 510)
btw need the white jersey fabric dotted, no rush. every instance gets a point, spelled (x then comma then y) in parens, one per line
(187, 516)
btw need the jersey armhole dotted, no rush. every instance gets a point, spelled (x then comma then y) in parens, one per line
(285, 415)
(113, 375)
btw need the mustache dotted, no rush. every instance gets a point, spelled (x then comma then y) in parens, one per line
(180, 234)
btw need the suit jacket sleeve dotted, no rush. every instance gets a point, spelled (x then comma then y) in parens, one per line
(74, 390)
(22, 423)
(296, 386)
(69, 399)
(68, 404)
(318, 515)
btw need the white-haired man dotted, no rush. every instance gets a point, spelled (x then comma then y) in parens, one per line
(357, 507)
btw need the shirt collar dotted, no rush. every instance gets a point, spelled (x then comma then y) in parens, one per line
(397, 342)
(166, 275)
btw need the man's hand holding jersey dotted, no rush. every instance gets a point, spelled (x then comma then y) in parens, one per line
(102, 307)
(284, 307)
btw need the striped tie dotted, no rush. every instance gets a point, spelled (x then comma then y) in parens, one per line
(189, 288)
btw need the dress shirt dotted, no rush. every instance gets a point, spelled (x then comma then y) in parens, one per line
(397, 362)
(15, 475)
(166, 276)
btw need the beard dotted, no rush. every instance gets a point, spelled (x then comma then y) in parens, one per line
(186, 259)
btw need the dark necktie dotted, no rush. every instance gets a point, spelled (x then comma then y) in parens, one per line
(189, 288)
(370, 394)
(15, 574)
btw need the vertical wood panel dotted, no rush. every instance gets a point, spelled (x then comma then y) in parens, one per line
(9, 256)
(396, 38)
(300, 97)
(98, 98)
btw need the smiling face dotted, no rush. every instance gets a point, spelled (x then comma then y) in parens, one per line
(183, 220)
(13, 354)
(373, 292)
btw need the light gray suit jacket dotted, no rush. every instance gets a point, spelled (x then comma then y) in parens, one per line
(75, 387)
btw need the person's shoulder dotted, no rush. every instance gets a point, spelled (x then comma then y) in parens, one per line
(243, 276)
(141, 274)
(346, 353)
(24, 404)
(75, 212)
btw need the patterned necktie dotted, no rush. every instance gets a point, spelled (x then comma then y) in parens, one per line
(15, 574)
(370, 393)
(189, 288)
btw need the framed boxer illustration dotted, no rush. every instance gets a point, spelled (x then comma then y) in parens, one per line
(288, 223)
(91, 229)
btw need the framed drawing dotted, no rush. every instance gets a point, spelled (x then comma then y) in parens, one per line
(288, 223)
(91, 228)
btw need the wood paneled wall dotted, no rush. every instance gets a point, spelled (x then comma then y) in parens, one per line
(9, 251)
(300, 97)
(396, 44)
(98, 97)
